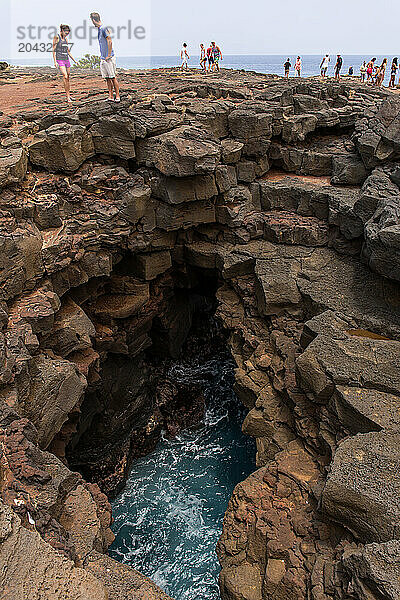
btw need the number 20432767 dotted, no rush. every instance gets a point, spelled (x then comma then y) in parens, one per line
(42, 47)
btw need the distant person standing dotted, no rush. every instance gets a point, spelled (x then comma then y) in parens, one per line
(363, 71)
(287, 66)
(108, 63)
(351, 71)
(375, 75)
(370, 69)
(203, 58)
(324, 65)
(338, 67)
(393, 72)
(297, 66)
(184, 58)
(61, 55)
(380, 76)
(210, 58)
(217, 55)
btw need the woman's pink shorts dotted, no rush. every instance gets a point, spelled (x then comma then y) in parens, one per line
(63, 63)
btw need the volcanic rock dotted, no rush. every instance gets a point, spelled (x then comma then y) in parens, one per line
(32, 563)
(274, 203)
(183, 152)
(362, 490)
(61, 147)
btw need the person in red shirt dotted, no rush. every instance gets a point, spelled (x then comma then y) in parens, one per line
(297, 66)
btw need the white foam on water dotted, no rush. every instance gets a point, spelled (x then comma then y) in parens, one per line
(169, 516)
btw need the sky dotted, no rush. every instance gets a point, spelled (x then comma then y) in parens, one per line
(239, 26)
(279, 26)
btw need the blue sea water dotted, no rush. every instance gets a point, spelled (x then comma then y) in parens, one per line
(169, 517)
(271, 63)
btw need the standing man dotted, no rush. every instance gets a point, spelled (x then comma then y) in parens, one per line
(324, 65)
(338, 66)
(217, 55)
(287, 66)
(184, 58)
(203, 58)
(210, 58)
(108, 63)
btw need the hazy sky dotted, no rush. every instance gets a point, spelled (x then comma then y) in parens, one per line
(279, 26)
(239, 26)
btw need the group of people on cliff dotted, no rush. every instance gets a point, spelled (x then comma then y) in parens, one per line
(370, 72)
(374, 73)
(323, 66)
(209, 59)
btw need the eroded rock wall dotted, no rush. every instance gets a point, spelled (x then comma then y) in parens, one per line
(114, 219)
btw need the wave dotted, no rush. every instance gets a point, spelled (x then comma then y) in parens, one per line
(169, 516)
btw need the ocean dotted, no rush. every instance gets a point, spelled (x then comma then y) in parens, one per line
(268, 63)
(168, 518)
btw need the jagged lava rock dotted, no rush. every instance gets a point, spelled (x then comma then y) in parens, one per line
(13, 162)
(183, 152)
(134, 217)
(61, 147)
(362, 490)
(374, 569)
(32, 565)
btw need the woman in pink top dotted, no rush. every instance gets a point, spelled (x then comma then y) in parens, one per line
(61, 56)
(297, 66)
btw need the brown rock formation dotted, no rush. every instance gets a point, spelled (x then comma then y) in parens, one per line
(118, 223)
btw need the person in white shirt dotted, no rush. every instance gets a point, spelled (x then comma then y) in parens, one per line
(363, 70)
(184, 57)
(324, 65)
(203, 58)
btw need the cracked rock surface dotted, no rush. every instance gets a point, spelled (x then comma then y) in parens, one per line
(114, 221)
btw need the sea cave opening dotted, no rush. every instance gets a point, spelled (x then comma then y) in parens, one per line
(160, 427)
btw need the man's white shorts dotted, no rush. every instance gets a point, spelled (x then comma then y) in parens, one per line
(108, 68)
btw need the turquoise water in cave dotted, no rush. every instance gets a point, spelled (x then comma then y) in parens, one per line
(169, 516)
